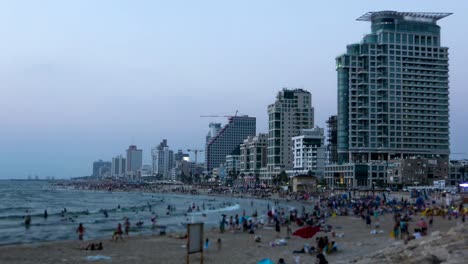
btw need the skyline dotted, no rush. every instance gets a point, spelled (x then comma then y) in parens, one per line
(126, 67)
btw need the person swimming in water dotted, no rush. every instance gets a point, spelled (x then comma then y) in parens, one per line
(27, 221)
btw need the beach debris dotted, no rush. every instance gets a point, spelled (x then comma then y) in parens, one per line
(279, 242)
(258, 239)
(97, 257)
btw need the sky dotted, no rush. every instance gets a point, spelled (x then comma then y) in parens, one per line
(81, 80)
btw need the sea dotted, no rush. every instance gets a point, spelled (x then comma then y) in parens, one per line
(21, 198)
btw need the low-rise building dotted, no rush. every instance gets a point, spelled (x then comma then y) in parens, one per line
(349, 175)
(303, 183)
(309, 152)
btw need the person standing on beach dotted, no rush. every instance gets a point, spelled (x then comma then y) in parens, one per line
(45, 214)
(127, 226)
(277, 228)
(222, 224)
(80, 231)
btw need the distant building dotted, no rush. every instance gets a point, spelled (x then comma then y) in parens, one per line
(309, 152)
(347, 176)
(291, 112)
(134, 160)
(232, 164)
(332, 140)
(253, 154)
(180, 155)
(227, 140)
(101, 167)
(304, 184)
(417, 171)
(214, 129)
(163, 160)
(458, 171)
(119, 166)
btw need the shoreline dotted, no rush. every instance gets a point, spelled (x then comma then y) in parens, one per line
(238, 247)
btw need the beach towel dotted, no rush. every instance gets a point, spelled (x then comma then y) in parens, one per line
(97, 257)
(265, 261)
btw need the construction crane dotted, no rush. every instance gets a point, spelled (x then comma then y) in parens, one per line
(220, 115)
(196, 151)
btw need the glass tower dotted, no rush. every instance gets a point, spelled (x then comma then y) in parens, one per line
(393, 90)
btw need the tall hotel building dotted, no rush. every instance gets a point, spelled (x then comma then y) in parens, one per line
(227, 140)
(393, 90)
(291, 112)
(134, 160)
(118, 167)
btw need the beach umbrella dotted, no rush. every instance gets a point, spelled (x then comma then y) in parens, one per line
(307, 232)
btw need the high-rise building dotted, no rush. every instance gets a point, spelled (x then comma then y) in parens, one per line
(180, 155)
(100, 168)
(227, 140)
(332, 140)
(134, 160)
(163, 159)
(393, 92)
(291, 112)
(118, 167)
(214, 129)
(309, 152)
(253, 154)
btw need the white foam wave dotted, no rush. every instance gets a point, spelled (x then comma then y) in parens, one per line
(224, 209)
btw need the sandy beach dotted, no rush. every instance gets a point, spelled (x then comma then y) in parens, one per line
(236, 247)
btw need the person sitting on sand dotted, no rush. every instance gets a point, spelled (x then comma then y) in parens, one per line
(93, 246)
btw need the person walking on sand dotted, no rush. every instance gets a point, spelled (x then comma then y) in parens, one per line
(80, 231)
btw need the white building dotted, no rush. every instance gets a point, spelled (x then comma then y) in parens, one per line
(118, 167)
(291, 112)
(253, 154)
(232, 164)
(309, 152)
(163, 160)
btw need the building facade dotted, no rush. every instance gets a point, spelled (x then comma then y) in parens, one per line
(393, 91)
(119, 166)
(347, 176)
(227, 140)
(458, 170)
(134, 160)
(291, 112)
(417, 171)
(101, 168)
(163, 160)
(309, 152)
(332, 140)
(232, 164)
(253, 154)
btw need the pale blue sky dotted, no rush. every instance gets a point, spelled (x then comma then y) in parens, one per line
(80, 79)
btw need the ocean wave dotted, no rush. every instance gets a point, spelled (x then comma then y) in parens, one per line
(224, 209)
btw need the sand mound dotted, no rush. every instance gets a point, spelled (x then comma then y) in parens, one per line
(436, 248)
